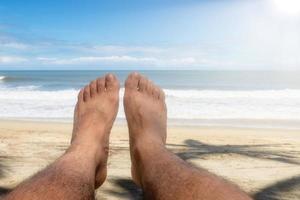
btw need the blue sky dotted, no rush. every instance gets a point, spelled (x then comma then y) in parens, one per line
(149, 34)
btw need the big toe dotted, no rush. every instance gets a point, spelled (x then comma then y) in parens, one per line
(132, 81)
(111, 82)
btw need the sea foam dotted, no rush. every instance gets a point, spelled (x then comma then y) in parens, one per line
(32, 102)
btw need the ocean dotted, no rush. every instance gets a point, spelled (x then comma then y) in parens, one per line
(224, 98)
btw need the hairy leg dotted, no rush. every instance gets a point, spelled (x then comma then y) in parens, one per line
(70, 177)
(77, 173)
(160, 173)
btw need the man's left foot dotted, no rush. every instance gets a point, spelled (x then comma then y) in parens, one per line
(94, 115)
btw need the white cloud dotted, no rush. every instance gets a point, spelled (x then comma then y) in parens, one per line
(7, 42)
(68, 53)
(227, 55)
(126, 60)
(64, 53)
(12, 59)
(97, 60)
(14, 45)
(181, 61)
(123, 49)
(179, 56)
(45, 59)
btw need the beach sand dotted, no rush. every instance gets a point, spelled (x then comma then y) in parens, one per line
(263, 162)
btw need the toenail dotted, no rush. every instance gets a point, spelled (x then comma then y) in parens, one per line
(135, 74)
(110, 77)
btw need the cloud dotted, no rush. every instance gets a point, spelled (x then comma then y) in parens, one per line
(14, 45)
(120, 49)
(50, 52)
(207, 55)
(8, 42)
(97, 60)
(12, 60)
(131, 60)
(181, 61)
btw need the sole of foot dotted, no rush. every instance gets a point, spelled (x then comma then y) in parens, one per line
(146, 114)
(94, 115)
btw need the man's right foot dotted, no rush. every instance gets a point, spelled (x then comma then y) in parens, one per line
(146, 114)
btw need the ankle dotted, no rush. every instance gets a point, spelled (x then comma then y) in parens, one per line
(94, 154)
(144, 156)
(144, 151)
(144, 138)
(146, 144)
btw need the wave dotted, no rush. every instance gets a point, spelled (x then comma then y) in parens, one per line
(32, 102)
(7, 78)
(14, 79)
(200, 94)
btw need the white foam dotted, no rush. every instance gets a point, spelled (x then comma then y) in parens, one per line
(2, 77)
(31, 102)
(218, 104)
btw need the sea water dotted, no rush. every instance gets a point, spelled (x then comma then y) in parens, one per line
(192, 97)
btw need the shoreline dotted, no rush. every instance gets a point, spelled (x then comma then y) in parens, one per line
(268, 124)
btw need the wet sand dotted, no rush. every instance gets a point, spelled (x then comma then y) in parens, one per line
(263, 162)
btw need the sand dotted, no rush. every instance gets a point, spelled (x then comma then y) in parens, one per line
(263, 162)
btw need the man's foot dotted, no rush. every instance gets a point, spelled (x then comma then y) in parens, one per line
(146, 114)
(94, 115)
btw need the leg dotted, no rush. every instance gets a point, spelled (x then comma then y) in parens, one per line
(83, 167)
(161, 174)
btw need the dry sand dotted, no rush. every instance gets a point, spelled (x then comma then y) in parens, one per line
(263, 162)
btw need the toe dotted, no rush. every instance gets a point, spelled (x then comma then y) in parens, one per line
(161, 94)
(80, 95)
(156, 93)
(111, 82)
(150, 87)
(86, 93)
(142, 86)
(100, 85)
(132, 81)
(93, 88)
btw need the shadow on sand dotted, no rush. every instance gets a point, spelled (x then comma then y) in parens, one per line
(192, 149)
(195, 149)
(129, 189)
(3, 191)
(289, 189)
